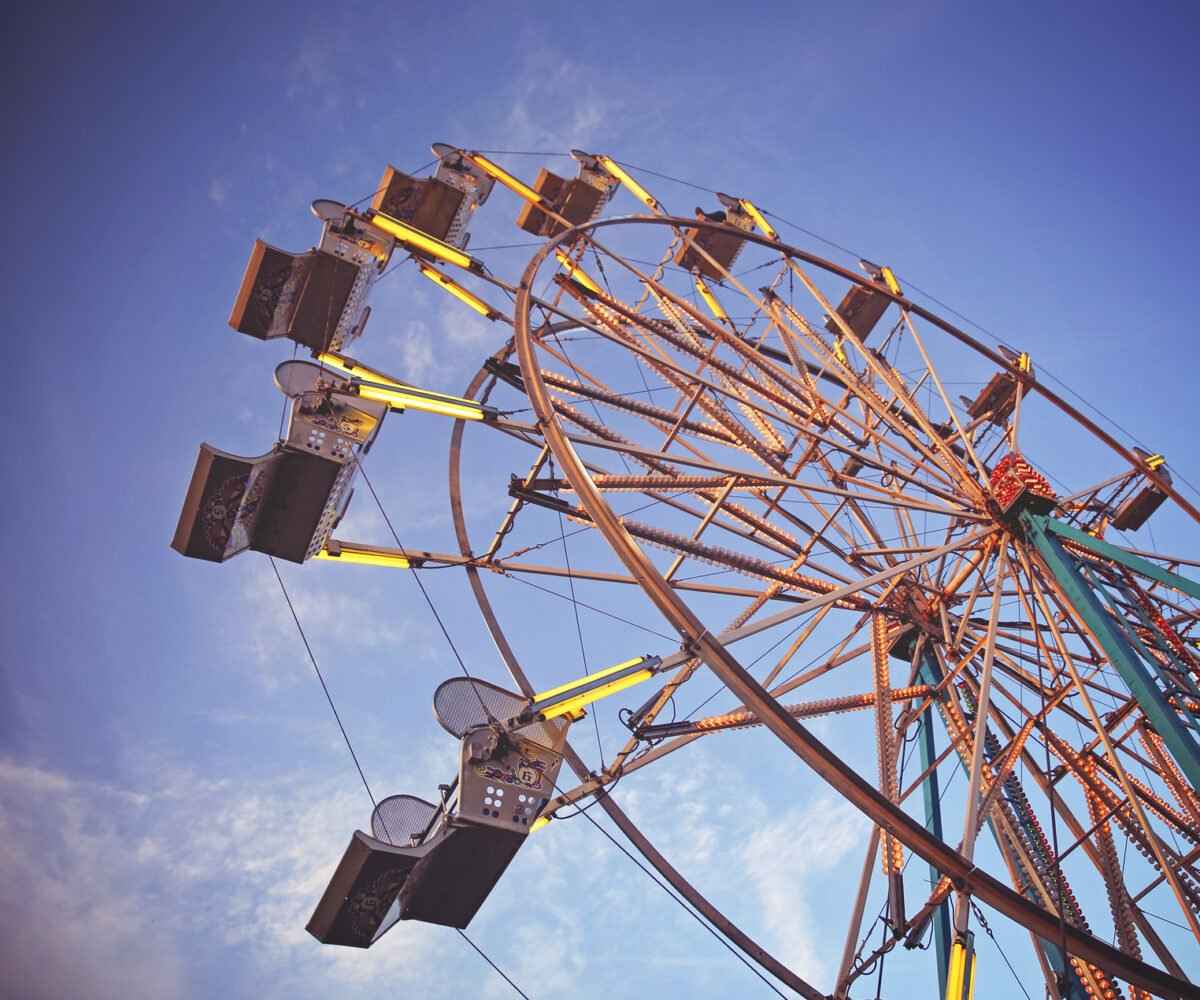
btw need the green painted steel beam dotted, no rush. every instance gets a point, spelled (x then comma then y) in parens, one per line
(930, 672)
(1134, 639)
(1116, 553)
(1116, 646)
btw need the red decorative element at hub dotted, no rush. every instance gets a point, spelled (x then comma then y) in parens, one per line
(1018, 486)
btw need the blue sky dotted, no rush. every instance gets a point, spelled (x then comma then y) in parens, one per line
(173, 792)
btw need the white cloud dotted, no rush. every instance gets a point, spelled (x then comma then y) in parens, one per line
(351, 619)
(312, 66)
(467, 329)
(414, 344)
(125, 894)
(144, 891)
(218, 191)
(728, 844)
(558, 103)
(70, 921)
(780, 860)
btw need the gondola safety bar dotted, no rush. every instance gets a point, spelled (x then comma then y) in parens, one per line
(759, 219)
(356, 369)
(577, 272)
(710, 300)
(632, 186)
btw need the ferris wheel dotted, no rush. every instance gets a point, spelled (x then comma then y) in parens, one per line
(771, 451)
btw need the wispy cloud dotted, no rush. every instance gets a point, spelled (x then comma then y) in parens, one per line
(731, 844)
(160, 883)
(72, 920)
(558, 102)
(119, 893)
(414, 344)
(353, 619)
(781, 860)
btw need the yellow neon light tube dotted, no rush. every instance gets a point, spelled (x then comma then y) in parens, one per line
(639, 192)
(954, 973)
(355, 369)
(505, 178)
(585, 690)
(540, 822)
(399, 399)
(1155, 461)
(460, 293)
(710, 300)
(401, 395)
(889, 279)
(413, 237)
(363, 557)
(573, 704)
(607, 671)
(759, 220)
(575, 272)
(960, 976)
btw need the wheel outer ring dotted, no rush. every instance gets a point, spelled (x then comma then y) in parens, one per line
(754, 697)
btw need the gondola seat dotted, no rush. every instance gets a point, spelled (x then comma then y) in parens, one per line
(1135, 511)
(861, 309)
(575, 200)
(278, 504)
(426, 203)
(723, 245)
(298, 296)
(443, 881)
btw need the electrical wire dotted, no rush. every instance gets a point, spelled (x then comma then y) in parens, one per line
(457, 656)
(483, 955)
(665, 888)
(599, 611)
(416, 577)
(578, 624)
(582, 812)
(984, 924)
(907, 281)
(846, 250)
(324, 687)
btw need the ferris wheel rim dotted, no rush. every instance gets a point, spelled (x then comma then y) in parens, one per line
(844, 780)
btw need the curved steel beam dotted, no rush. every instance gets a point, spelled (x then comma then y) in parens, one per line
(727, 927)
(796, 737)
